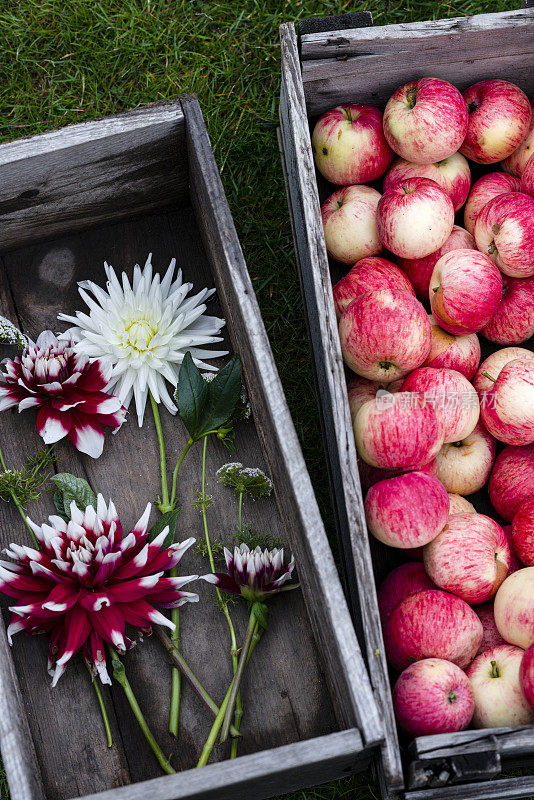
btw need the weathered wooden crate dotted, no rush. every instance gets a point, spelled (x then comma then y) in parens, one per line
(340, 60)
(117, 189)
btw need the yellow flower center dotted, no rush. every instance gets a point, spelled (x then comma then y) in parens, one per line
(139, 334)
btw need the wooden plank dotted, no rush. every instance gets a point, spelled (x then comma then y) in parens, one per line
(286, 667)
(509, 741)
(394, 58)
(90, 174)
(463, 35)
(258, 776)
(502, 789)
(339, 440)
(320, 583)
(79, 760)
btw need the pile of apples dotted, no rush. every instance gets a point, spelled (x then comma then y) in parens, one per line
(431, 423)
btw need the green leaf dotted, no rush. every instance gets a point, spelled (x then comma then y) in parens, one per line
(60, 506)
(261, 612)
(224, 392)
(73, 488)
(170, 518)
(192, 396)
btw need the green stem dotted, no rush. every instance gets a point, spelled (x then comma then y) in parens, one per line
(119, 673)
(179, 661)
(215, 728)
(176, 678)
(19, 506)
(238, 704)
(237, 677)
(186, 449)
(212, 738)
(240, 508)
(164, 505)
(222, 604)
(100, 699)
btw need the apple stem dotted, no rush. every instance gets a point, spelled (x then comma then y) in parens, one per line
(495, 670)
(487, 375)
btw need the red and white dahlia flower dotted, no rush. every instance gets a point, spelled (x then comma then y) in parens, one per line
(67, 388)
(254, 574)
(88, 581)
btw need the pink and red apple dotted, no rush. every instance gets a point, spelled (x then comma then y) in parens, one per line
(516, 163)
(452, 396)
(504, 231)
(507, 408)
(360, 390)
(397, 431)
(414, 218)
(465, 291)
(349, 146)
(491, 636)
(433, 696)
(465, 466)
(469, 558)
(515, 563)
(451, 174)
(499, 698)
(459, 504)
(432, 624)
(402, 582)
(349, 223)
(499, 119)
(514, 608)
(369, 275)
(447, 351)
(407, 511)
(512, 480)
(384, 335)
(370, 475)
(527, 178)
(526, 675)
(513, 322)
(425, 120)
(490, 185)
(491, 367)
(419, 270)
(523, 532)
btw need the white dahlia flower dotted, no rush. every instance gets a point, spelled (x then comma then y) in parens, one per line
(145, 330)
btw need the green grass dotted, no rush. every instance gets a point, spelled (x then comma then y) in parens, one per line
(65, 62)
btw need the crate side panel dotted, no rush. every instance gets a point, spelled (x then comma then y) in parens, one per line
(254, 776)
(91, 174)
(285, 675)
(321, 586)
(396, 60)
(331, 385)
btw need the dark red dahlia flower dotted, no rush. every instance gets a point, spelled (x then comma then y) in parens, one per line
(88, 581)
(255, 574)
(67, 388)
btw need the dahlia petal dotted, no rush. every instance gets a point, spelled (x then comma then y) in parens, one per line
(14, 628)
(8, 398)
(109, 623)
(98, 654)
(224, 582)
(27, 402)
(46, 339)
(100, 403)
(95, 601)
(53, 425)
(87, 437)
(17, 584)
(140, 527)
(61, 598)
(134, 589)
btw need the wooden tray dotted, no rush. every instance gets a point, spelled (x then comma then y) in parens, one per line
(339, 60)
(117, 189)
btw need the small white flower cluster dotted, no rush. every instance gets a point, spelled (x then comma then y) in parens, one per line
(250, 481)
(10, 334)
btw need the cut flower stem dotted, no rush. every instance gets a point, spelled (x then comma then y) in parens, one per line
(234, 689)
(100, 699)
(19, 506)
(119, 673)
